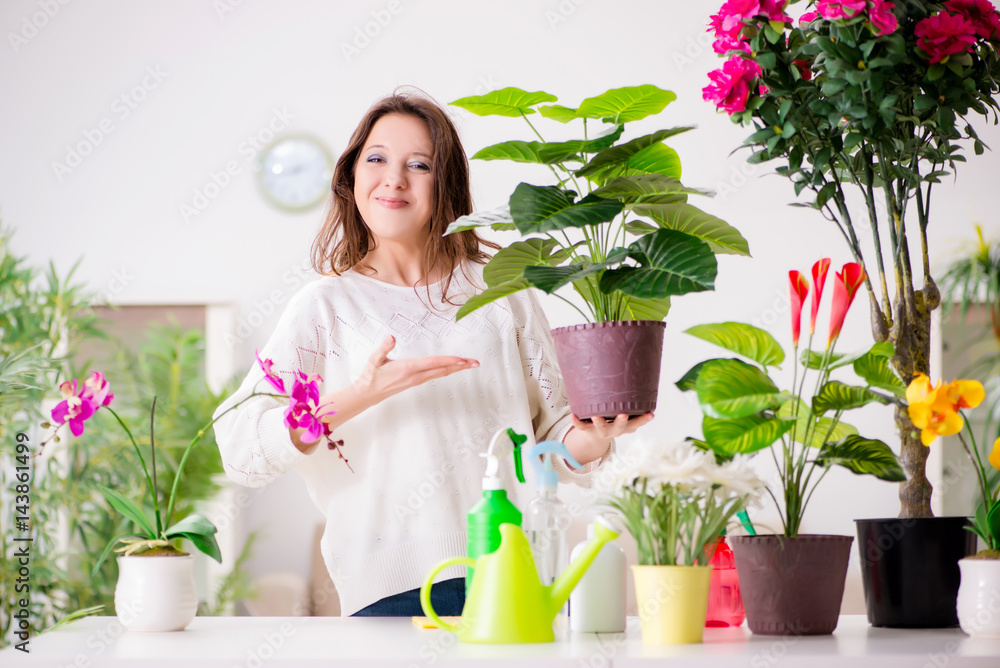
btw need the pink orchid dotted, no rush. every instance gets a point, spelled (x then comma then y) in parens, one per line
(840, 9)
(980, 13)
(305, 389)
(97, 389)
(882, 17)
(271, 376)
(819, 279)
(943, 35)
(75, 408)
(300, 415)
(799, 290)
(730, 87)
(846, 285)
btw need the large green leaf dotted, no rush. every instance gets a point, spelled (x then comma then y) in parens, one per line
(206, 543)
(863, 456)
(689, 380)
(743, 435)
(490, 295)
(623, 105)
(647, 189)
(670, 263)
(537, 209)
(813, 360)
(509, 263)
(550, 279)
(840, 397)
(822, 430)
(504, 102)
(557, 112)
(720, 235)
(876, 371)
(746, 340)
(555, 152)
(193, 523)
(128, 509)
(630, 154)
(518, 151)
(733, 389)
(497, 219)
(637, 308)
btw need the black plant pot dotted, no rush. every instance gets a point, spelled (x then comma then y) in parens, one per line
(910, 569)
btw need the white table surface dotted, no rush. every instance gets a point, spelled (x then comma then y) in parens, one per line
(258, 642)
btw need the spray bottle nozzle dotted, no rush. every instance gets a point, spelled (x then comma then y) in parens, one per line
(545, 476)
(505, 441)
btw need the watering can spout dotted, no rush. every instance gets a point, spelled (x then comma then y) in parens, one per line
(565, 583)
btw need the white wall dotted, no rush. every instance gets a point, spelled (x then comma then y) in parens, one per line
(222, 71)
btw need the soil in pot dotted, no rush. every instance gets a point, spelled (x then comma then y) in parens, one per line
(792, 586)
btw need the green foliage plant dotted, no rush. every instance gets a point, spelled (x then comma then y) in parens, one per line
(868, 104)
(607, 191)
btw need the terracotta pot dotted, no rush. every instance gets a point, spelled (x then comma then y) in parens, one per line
(155, 593)
(792, 586)
(909, 568)
(979, 597)
(671, 601)
(610, 367)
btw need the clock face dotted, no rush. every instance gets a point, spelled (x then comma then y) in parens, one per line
(295, 172)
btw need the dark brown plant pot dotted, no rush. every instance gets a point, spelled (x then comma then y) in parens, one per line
(910, 570)
(610, 368)
(792, 586)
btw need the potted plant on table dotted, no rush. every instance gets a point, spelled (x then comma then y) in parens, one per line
(675, 500)
(794, 583)
(156, 590)
(872, 97)
(578, 233)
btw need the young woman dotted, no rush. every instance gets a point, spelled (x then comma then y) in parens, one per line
(416, 413)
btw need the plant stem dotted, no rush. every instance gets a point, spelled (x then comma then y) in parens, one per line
(152, 464)
(142, 461)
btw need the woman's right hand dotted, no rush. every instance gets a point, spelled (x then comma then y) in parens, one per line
(382, 377)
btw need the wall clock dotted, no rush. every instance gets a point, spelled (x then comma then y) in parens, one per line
(294, 172)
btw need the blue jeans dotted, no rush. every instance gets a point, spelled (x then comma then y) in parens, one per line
(447, 597)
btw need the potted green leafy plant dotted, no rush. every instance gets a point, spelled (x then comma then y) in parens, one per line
(616, 228)
(155, 590)
(675, 499)
(871, 99)
(745, 411)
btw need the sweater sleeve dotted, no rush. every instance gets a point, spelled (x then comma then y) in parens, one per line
(250, 431)
(551, 414)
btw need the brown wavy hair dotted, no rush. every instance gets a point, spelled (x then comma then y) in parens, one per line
(345, 240)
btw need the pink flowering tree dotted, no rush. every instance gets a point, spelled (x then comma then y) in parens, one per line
(155, 526)
(872, 96)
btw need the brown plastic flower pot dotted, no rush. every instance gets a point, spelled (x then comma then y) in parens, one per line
(610, 368)
(792, 586)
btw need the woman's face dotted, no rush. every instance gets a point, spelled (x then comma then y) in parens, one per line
(394, 180)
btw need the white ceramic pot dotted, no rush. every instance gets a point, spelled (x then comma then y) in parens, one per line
(155, 593)
(979, 597)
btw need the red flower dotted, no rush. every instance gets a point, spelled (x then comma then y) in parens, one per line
(944, 35)
(882, 18)
(804, 70)
(75, 408)
(980, 13)
(845, 287)
(799, 290)
(840, 9)
(819, 279)
(808, 17)
(730, 87)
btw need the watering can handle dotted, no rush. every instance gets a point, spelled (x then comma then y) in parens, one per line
(425, 591)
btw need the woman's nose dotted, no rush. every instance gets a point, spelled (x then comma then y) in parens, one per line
(394, 178)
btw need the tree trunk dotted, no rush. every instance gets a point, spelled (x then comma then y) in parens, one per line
(911, 337)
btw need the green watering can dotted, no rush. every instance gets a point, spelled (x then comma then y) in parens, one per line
(507, 603)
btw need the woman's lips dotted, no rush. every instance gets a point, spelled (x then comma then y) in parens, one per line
(391, 203)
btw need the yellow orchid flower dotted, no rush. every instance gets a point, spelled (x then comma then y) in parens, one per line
(934, 408)
(965, 393)
(995, 455)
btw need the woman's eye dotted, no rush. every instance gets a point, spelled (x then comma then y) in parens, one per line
(421, 166)
(374, 158)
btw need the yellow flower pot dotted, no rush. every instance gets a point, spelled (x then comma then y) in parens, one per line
(672, 601)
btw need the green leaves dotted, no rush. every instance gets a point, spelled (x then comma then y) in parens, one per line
(504, 102)
(735, 389)
(200, 531)
(863, 456)
(743, 435)
(497, 219)
(128, 509)
(837, 396)
(745, 340)
(647, 189)
(876, 371)
(623, 105)
(538, 209)
(720, 236)
(504, 274)
(643, 155)
(670, 263)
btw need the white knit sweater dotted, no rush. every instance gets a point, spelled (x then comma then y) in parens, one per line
(415, 455)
